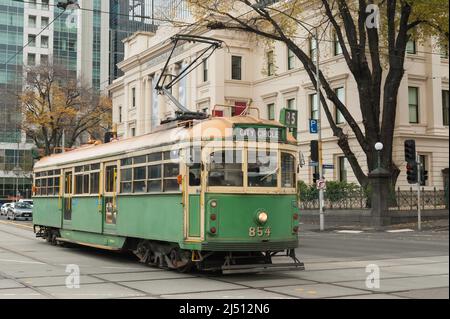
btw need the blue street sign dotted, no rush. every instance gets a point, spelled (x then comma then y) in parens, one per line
(313, 126)
(328, 166)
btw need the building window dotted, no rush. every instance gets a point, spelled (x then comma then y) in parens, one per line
(413, 97)
(290, 104)
(445, 112)
(32, 3)
(236, 67)
(290, 60)
(44, 4)
(44, 22)
(120, 114)
(32, 21)
(270, 63)
(31, 59)
(271, 111)
(205, 70)
(133, 97)
(312, 48)
(133, 131)
(444, 51)
(411, 47)
(337, 45)
(44, 59)
(44, 42)
(31, 40)
(340, 92)
(314, 107)
(342, 166)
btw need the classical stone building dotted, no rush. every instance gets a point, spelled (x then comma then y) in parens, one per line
(246, 72)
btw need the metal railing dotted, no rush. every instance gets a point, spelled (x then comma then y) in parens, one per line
(358, 198)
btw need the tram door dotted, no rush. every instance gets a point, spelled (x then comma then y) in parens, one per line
(193, 199)
(110, 198)
(67, 198)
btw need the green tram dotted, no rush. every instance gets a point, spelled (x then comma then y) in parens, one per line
(196, 194)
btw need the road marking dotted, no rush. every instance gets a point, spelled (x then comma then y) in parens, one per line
(349, 231)
(16, 224)
(22, 262)
(400, 230)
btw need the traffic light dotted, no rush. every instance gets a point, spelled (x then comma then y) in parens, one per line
(423, 177)
(410, 152)
(411, 173)
(314, 151)
(316, 177)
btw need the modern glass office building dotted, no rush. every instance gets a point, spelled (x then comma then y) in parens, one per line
(15, 153)
(86, 41)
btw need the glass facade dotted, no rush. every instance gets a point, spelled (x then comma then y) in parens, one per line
(11, 42)
(127, 17)
(65, 41)
(96, 44)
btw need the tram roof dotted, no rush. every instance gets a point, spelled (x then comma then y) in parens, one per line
(217, 127)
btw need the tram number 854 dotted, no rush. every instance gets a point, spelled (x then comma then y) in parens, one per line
(258, 231)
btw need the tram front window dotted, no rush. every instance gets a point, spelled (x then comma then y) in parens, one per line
(226, 169)
(262, 168)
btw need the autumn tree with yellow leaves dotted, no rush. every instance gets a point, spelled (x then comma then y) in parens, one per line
(373, 35)
(53, 102)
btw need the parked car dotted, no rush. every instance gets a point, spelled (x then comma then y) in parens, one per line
(29, 201)
(20, 210)
(4, 208)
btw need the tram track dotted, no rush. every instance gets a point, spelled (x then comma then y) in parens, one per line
(19, 233)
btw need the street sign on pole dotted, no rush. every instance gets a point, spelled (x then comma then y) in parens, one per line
(313, 126)
(321, 184)
(328, 166)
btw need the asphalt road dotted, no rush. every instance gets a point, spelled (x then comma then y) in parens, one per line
(409, 264)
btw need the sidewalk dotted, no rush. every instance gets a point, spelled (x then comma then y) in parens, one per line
(441, 225)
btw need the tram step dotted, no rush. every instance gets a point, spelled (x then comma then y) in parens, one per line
(236, 269)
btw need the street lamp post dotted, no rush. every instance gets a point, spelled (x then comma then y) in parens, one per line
(380, 193)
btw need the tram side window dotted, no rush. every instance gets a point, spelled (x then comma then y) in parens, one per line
(171, 171)
(47, 183)
(154, 178)
(226, 168)
(56, 191)
(44, 186)
(262, 168)
(139, 180)
(50, 190)
(125, 180)
(38, 186)
(95, 179)
(287, 170)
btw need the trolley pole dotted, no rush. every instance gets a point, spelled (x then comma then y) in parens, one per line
(419, 213)
(319, 126)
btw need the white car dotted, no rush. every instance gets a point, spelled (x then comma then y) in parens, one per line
(29, 201)
(20, 210)
(4, 208)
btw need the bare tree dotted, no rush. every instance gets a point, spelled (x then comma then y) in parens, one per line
(369, 52)
(53, 102)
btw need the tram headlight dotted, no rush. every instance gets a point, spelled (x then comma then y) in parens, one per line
(213, 204)
(262, 217)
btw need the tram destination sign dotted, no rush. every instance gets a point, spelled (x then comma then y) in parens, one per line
(258, 133)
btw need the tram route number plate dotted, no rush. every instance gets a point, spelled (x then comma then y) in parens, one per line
(259, 231)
